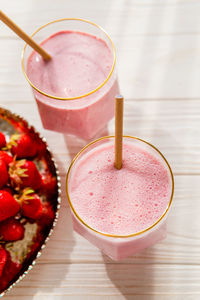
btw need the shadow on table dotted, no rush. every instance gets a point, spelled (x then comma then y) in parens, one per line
(132, 276)
(75, 144)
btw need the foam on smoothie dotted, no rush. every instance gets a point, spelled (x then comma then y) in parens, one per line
(122, 201)
(80, 63)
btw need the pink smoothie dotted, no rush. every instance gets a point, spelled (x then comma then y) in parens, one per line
(120, 202)
(80, 63)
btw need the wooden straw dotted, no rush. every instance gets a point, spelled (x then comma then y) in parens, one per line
(24, 36)
(119, 101)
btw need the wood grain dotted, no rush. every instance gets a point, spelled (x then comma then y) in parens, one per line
(135, 17)
(110, 281)
(158, 65)
(171, 125)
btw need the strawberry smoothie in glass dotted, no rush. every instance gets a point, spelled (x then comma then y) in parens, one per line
(75, 90)
(120, 211)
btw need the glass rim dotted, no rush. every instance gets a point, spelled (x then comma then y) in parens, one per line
(116, 235)
(77, 97)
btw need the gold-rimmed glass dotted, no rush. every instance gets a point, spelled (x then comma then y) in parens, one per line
(83, 115)
(94, 144)
(120, 246)
(44, 31)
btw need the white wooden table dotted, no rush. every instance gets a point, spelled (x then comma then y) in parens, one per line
(158, 57)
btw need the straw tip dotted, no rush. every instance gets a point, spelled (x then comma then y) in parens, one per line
(119, 97)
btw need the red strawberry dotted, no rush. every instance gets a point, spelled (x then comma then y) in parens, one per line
(3, 174)
(20, 126)
(22, 145)
(31, 204)
(41, 147)
(6, 157)
(49, 184)
(47, 216)
(11, 230)
(3, 259)
(11, 269)
(8, 205)
(2, 140)
(8, 189)
(24, 173)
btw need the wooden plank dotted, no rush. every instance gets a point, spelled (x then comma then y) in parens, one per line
(172, 126)
(110, 281)
(116, 16)
(158, 62)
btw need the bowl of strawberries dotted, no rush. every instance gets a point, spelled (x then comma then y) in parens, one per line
(29, 197)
